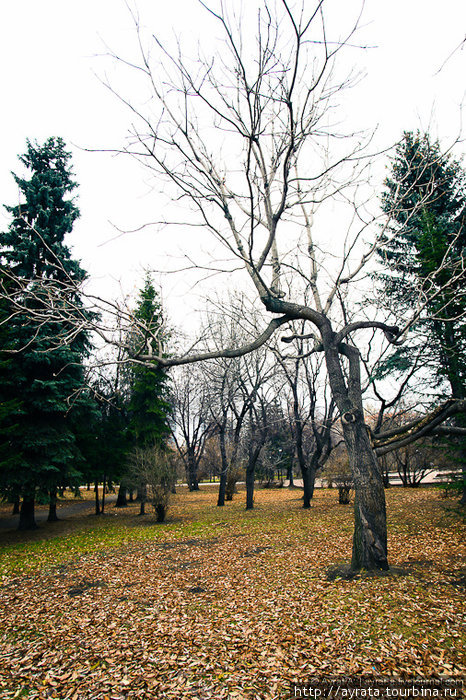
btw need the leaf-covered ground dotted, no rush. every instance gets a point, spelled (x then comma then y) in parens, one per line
(224, 603)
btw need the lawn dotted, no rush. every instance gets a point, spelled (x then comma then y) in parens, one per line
(227, 603)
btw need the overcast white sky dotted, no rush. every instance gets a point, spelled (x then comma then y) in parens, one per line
(48, 53)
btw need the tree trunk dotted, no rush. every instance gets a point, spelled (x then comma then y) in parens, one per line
(312, 478)
(15, 510)
(160, 512)
(253, 456)
(52, 517)
(370, 520)
(104, 485)
(222, 488)
(193, 483)
(27, 519)
(250, 469)
(97, 501)
(289, 476)
(224, 473)
(121, 499)
(305, 471)
(383, 466)
(306, 474)
(142, 495)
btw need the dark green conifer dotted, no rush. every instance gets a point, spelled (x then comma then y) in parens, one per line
(149, 407)
(47, 374)
(424, 256)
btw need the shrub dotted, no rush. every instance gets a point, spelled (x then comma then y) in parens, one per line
(153, 471)
(233, 475)
(338, 473)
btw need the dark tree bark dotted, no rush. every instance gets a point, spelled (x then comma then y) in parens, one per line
(27, 519)
(193, 483)
(104, 486)
(298, 431)
(308, 464)
(289, 476)
(15, 510)
(97, 500)
(222, 488)
(307, 486)
(52, 516)
(370, 531)
(305, 473)
(160, 511)
(142, 495)
(224, 473)
(121, 501)
(250, 473)
(463, 497)
(259, 429)
(314, 463)
(370, 526)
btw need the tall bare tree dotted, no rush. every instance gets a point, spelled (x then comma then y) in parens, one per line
(234, 382)
(312, 411)
(269, 114)
(191, 420)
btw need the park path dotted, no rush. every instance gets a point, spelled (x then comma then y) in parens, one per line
(65, 509)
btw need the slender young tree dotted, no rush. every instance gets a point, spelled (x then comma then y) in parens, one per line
(47, 368)
(311, 424)
(192, 423)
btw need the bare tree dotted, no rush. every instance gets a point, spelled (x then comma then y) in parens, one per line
(338, 473)
(312, 411)
(153, 469)
(274, 109)
(191, 421)
(234, 383)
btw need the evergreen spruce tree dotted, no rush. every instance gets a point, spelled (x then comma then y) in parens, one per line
(424, 253)
(46, 370)
(149, 407)
(10, 403)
